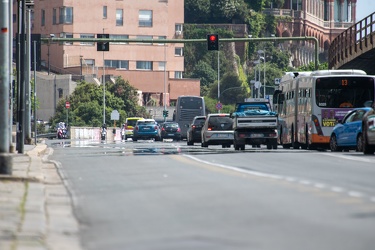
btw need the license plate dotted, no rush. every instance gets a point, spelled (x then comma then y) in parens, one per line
(256, 135)
(146, 128)
(170, 134)
(222, 135)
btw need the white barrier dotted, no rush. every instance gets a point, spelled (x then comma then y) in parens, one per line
(93, 133)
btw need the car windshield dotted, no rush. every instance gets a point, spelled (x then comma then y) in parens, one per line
(199, 121)
(131, 122)
(146, 123)
(172, 125)
(220, 123)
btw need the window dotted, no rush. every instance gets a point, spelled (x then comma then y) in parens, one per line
(145, 65)
(145, 18)
(145, 38)
(161, 38)
(87, 36)
(178, 74)
(43, 18)
(66, 15)
(118, 64)
(178, 52)
(89, 62)
(54, 16)
(161, 66)
(61, 93)
(104, 12)
(119, 17)
(178, 29)
(67, 35)
(119, 37)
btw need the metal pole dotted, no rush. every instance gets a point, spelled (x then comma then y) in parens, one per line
(27, 78)
(264, 76)
(49, 67)
(10, 56)
(259, 80)
(35, 117)
(218, 76)
(165, 71)
(5, 46)
(21, 90)
(103, 86)
(4, 80)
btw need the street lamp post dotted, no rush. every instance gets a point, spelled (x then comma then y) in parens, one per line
(264, 70)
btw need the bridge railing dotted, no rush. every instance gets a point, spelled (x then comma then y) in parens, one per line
(356, 40)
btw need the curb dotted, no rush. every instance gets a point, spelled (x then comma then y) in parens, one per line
(36, 209)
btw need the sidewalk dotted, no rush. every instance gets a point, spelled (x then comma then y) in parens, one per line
(35, 206)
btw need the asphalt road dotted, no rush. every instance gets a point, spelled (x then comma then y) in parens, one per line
(167, 195)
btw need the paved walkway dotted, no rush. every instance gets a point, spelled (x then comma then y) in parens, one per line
(35, 207)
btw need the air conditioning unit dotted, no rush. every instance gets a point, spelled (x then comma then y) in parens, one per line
(178, 32)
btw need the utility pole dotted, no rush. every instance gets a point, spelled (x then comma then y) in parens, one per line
(21, 84)
(27, 78)
(5, 158)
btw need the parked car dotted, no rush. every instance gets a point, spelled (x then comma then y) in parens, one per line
(194, 132)
(368, 131)
(146, 129)
(217, 130)
(170, 130)
(129, 126)
(347, 134)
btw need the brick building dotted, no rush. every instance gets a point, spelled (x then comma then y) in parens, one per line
(152, 68)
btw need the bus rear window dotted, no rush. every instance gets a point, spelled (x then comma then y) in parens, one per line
(344, 92)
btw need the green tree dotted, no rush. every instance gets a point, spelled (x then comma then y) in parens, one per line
(86, 107)
(206, 74)
(197, 11)
(231, 89)
(311, 66)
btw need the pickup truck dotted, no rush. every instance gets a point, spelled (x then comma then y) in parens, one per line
(254, 123)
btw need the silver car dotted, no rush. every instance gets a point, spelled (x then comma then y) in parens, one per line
(368, 130)
(217, 130)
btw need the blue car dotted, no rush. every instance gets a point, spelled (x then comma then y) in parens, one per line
(146, 129)
(347, 134)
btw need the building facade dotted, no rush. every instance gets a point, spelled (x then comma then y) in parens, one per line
(155, 69)
(323, 19)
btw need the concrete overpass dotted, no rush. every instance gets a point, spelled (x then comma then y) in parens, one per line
(355, 47)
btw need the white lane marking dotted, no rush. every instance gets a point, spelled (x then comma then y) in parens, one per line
(337, 189)
(281, 177)
(320, 185)
(348, 157)
(355, 194)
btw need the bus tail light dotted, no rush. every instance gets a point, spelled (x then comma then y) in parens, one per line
(136, 128)
(317, 124)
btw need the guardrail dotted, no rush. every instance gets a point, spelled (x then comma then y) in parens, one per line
(356, 40)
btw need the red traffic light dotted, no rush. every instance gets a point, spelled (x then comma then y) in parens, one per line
(213, 42)
(212, 38)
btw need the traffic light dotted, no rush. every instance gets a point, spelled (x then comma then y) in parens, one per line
(213, 42)
(102, 46)
(164, 113)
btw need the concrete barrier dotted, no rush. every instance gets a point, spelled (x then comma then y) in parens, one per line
(94, 133)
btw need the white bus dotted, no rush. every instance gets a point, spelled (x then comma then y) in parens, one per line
(187, 107)
(309, 104)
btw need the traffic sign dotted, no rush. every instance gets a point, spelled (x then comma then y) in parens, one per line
(219, 106)
(67, 105)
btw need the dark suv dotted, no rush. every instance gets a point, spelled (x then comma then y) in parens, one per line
(194, 130)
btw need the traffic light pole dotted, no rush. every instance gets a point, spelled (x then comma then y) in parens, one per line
(204, 40)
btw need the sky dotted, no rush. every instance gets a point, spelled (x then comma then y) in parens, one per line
(364, 8)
